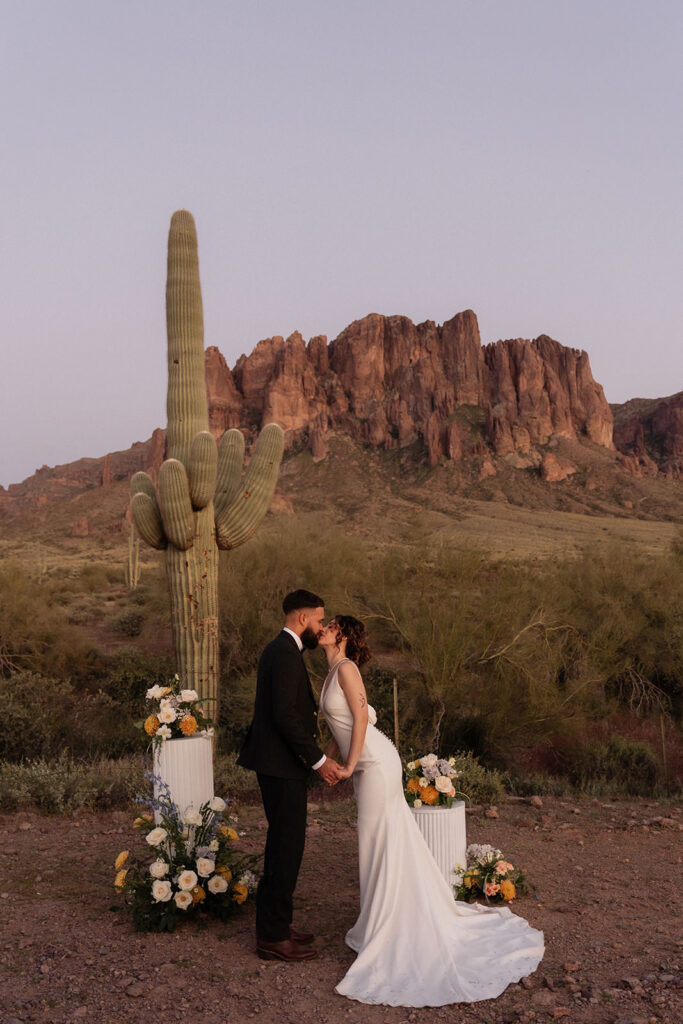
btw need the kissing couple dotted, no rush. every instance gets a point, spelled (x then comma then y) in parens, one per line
(406, 905)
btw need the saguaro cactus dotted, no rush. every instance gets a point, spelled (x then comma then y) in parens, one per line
(201, 503)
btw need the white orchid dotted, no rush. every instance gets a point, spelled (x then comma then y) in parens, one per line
(164, 732)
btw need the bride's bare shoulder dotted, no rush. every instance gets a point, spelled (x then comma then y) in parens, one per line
(349, 673)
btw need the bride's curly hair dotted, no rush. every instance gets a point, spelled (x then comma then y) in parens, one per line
(353, 631)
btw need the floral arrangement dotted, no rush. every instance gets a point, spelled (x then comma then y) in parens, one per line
(429, 781)
(487, 875)
(174, 712)
(194, 869)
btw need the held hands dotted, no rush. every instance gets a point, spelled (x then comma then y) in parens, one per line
(332, 773)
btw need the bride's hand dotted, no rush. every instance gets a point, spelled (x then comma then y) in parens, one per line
(345, 772)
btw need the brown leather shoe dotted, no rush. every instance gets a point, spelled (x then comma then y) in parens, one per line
(285, 950)
(305, 938)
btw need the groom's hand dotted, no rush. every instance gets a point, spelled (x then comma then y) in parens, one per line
(330, 772)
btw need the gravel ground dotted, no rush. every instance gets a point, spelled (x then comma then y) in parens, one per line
(608, 882)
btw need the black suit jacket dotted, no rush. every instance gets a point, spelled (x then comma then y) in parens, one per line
(281, 738)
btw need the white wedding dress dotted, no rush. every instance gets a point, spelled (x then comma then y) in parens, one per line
(416, 945)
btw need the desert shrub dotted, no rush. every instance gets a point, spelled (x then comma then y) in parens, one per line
(129, 623)
(232, 781)
(537, 784)
(63, 784)
(627, 766)
(48, 716)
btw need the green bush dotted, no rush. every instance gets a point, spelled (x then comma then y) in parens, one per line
(622, 765)
(62, 784)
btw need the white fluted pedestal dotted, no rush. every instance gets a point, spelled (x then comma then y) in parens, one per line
(445, 832)
(185, 764)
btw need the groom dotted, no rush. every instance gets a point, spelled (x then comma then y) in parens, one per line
(281, 748)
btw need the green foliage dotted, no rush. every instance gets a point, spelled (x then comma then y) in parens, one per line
(620, 765)
(63, 785)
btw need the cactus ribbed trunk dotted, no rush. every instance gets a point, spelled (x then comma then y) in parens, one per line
(181, 515)
(192, 572)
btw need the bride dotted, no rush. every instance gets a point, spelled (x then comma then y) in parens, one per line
(415, 945)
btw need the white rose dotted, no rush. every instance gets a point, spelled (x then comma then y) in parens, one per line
(429, 760)
(217, 884)
(158, 868)
(411, 766)
(187, 696)
(187, 880)
(183, 899)
(154, 692)
(443, 784)
(204, 867)
(214, 846)
(217, 804)
(417, 803)
(422, 782)
(167, 714)
(156, 836)
(161, 891)
(192, 817)
(164, 732)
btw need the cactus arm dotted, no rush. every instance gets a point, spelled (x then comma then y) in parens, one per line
(229, 470)
(186, 403)
(175, 504)
(201, 469)
(237, 522)
(142, 484)
(145, 512)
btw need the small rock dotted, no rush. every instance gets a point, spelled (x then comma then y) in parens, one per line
(570, 967)
(527, 983)
(44, 968)
(535, 801)
(491, 813)
(135, 990)
(24, 826)
(560, 1011)
(80, 1011)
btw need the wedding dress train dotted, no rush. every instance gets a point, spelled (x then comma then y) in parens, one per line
(416, 945)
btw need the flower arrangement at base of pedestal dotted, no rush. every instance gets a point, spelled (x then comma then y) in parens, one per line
(194, 867)
(174, 712)
(488, 876)
(429, 781)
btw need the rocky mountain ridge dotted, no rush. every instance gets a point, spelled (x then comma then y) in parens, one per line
(430, 389)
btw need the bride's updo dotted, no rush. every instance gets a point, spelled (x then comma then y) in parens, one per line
(353, 631)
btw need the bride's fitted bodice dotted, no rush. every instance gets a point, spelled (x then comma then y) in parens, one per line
(337, 712)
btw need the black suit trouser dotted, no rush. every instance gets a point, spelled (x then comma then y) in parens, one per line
(284, 801)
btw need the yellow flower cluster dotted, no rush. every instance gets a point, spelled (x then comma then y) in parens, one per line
(229, 833)
(188, 725)
(120, 880)
(240, 893)
(121, 860)
(507, 889)
(151, 725)
(224, 871)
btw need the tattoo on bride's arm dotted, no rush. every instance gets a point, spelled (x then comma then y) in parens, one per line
(362, 701)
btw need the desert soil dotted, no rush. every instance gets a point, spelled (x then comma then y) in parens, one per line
(607, 877)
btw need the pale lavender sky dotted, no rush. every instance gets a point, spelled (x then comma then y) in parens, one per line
(523, 159)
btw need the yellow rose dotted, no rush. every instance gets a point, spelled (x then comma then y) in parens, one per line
(470, 878)
(417, 763)
(240, 893)
(198, 894)
(121, 860)
(165, 692)
(413, 786)
(507, 889)
(224, 872)
(229, 833)
(120, 880)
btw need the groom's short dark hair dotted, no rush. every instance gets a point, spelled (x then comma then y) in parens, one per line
(299, 599)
